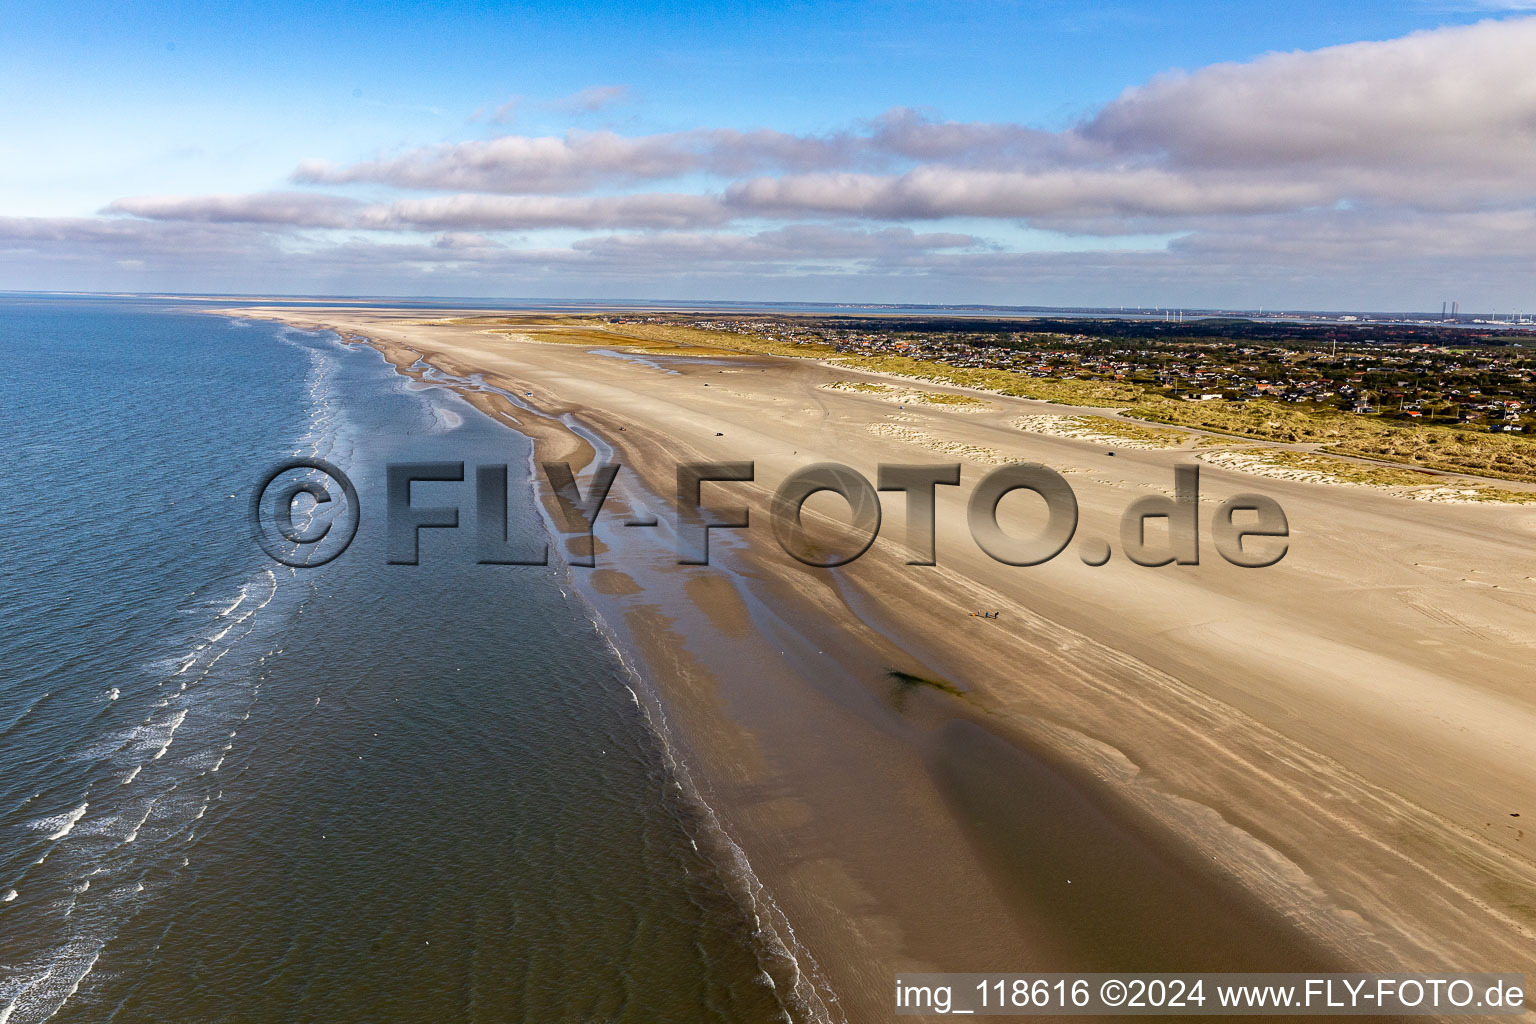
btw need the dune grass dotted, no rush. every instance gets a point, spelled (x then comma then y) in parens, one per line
(1159, 436)
(860, 386)
(730, 341)
(1316, 467)
(1104, 394)
(948, 398)
(1502, 456)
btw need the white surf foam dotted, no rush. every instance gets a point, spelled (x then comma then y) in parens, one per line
(66, 822)
(170, 737)
(134, 834)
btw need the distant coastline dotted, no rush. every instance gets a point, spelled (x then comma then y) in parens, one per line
(1487, 319)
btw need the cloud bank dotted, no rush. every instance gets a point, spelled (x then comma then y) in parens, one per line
(1378, 165)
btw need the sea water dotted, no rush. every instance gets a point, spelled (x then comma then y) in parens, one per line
(235, 791)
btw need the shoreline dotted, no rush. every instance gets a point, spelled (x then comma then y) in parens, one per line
(1048, 741)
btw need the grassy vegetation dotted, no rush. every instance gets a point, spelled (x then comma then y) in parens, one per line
(681, 334)
(1335, 470)
(862, 386)
(1496, 455)
(590, 338)
(1503, 496)
(1160, 436)
(561, 336)
(1340, 469)
(1506, 456)
(925, 397)
(947, 398)
(1104, 394)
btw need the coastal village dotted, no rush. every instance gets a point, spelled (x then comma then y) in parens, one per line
(1472, 380)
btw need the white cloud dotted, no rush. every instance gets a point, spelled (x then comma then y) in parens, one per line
(506, 112)
(936, 191)
(580, 160)
(300, 209)
(1403, 115)
(1402, 159)
(486, 213)
(796, 243)
(592, 99)
(469, 211)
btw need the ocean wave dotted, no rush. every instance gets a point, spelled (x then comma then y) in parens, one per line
(170, 736)
(22, 715)
(144, 809)
(54, 983)
(133, 833)
(64, 824)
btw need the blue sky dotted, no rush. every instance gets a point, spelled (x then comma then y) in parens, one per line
(111, 102)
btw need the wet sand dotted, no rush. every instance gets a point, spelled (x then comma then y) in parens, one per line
(1313, 765)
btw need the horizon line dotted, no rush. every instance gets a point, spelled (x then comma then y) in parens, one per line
(770, 304)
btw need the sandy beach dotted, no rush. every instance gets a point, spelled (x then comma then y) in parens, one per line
(1324, 764)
